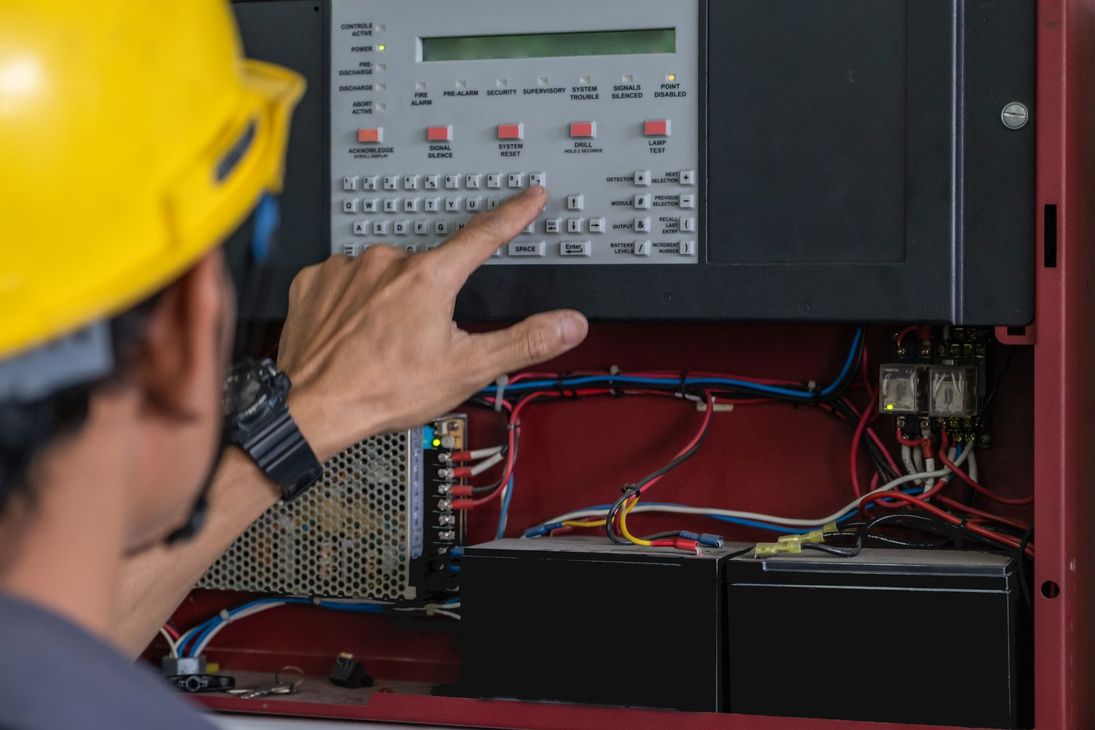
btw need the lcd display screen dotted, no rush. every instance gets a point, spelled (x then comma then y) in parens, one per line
(547, 45)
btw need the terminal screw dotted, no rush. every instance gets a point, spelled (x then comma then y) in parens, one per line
(1015, 115)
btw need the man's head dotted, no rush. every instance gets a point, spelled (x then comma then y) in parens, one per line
(157, 145)
(170, 353)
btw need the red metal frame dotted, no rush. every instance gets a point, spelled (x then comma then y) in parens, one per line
(1064, 355)
(1048, 418)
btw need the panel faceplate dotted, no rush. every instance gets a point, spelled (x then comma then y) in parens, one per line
(419, 146)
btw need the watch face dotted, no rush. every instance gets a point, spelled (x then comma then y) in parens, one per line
(243, 393)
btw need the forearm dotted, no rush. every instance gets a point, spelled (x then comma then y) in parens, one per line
(155, 582)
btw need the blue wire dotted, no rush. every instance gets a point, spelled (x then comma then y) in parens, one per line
(504, 516)
(266, 223)
(206, 628)
(849, 362)
(781, 529)
(201, 631)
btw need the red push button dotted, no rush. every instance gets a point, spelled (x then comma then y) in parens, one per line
(656, 128)
(583, 130)
(511, 131)
(439, 134)
(370, 136)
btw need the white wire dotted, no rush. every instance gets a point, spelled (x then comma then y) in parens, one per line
(171, 643)
(907, 460)
(486, 465)
(450, 614)
(972, 468)
(197, 650)
(435, 607)
(484, 453)
(432, 608)
(926, 476)
(918, 459)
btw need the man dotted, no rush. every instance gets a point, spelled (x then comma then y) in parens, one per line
(133, 140)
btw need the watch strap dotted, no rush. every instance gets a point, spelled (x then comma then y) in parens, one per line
(283, 454)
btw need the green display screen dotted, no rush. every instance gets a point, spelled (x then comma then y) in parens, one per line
(546, 45)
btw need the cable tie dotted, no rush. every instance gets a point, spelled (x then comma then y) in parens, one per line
(811, 387)
(684, 383)
(564, 392)
(613, 372)
(500, 393)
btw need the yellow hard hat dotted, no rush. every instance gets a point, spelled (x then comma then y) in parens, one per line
(134, 137)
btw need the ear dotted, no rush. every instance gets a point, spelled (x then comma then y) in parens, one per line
(185, 345)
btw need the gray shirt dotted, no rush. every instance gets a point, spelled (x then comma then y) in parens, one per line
(56, 676)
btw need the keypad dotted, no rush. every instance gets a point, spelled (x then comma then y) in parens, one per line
(662, 211)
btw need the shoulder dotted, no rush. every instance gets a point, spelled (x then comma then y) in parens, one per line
(56, 675)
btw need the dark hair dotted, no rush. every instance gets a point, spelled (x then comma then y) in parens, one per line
(27, 429)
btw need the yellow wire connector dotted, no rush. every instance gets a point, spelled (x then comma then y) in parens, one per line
(792, 544)
(766, 549)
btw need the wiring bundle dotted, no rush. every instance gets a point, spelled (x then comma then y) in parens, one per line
(914, 485)
(907, 501)
(194, 642)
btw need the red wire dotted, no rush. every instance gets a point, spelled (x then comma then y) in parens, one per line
(691, 444)
(948, 517)
(1015, 501)
(515, 423)
(864, 419)
(908, 331)
(172, 631)
(1000, 519)
(904, 441)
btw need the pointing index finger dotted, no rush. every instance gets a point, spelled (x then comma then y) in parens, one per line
(485, 233)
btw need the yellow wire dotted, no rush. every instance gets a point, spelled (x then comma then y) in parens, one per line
(628, 506)
(590, 523)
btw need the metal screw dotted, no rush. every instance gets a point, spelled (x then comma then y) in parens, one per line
(1015, 115)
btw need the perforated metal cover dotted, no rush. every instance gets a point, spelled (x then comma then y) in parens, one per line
(349, 537)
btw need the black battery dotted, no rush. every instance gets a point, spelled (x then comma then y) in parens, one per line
(914, 636)
(583, 621)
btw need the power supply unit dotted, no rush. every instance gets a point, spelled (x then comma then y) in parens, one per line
(375, 527)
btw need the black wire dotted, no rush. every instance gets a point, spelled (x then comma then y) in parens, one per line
(478, 491)
(634, 489)
(954, 535)
(662, 535)
(842, 411)
(835, 551)
(739, 553)
(609, 530)
(999, 381)
(1021, 558)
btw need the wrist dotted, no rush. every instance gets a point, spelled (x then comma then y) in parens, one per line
(240, 483)
(324, 424)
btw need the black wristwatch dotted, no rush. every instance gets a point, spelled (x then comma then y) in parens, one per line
(257, 420)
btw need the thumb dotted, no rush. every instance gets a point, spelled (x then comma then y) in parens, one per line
(537, 339)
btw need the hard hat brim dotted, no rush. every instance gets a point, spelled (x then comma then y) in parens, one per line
(202, 204)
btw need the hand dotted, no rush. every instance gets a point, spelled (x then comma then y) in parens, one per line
(371, 346)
